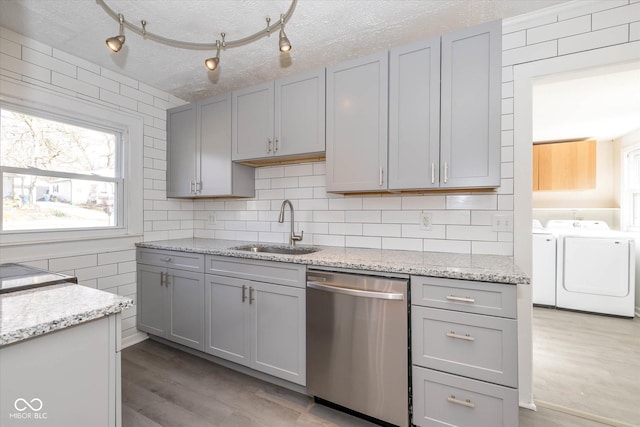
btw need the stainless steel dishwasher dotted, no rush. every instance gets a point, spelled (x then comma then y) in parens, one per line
(357, 344)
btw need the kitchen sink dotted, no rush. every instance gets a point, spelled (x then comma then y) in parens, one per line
(278, 249)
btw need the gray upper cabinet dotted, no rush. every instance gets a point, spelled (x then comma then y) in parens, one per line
(181, 151)
(471, 107)
(285, 118)
(252, 118)
(300, 114)
(357, 101)
(199, 152)
(414, 116)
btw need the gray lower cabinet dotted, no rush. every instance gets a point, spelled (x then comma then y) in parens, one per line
(69, 377)
(171, 300)
(464, 353)
(256, 324)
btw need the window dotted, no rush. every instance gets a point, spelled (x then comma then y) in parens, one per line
(59, 173)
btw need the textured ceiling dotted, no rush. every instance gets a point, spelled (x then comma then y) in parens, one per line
(322, 32)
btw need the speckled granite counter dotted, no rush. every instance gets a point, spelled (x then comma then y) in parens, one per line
(33, 312)
(485, 268)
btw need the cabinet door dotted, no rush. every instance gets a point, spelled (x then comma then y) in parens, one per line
(227, 318)
(471, 107)
(252, 122)
(181, 151)
(357, 101)
(414, 116)
(300, 114)
(151, 306)
(278, 335)
(186, 308)
(214, 162)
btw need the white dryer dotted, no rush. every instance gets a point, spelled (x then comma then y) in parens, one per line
(596, 271)
(543, 271)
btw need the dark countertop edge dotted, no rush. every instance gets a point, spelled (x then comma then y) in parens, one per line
(462, 273)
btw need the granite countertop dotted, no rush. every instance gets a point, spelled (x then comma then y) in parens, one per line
(484, 268)
(29, 313)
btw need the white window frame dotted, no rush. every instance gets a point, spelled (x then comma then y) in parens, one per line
(43, 102)
(626, 202)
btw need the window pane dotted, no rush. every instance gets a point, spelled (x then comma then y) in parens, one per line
(30, 141)
(38, 203)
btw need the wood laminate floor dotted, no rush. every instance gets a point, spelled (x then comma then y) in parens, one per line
(162, 386)
(587, 362)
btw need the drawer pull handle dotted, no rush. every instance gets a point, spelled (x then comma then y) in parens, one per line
(467, 403)
(462, 299)
(466, 337)
(244, 292)
(166, 259)
(251, 295)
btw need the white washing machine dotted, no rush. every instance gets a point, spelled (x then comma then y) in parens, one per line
(543, 271)
(595, 270)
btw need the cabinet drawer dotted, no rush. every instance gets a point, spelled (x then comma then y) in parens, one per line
(280, 273)
(174, 259)
(441, 399)
(471, 345)
(494, 299)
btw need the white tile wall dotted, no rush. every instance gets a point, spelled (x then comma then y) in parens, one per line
(32, 62)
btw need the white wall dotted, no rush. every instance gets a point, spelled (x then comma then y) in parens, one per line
(107, 264)
(573, 36)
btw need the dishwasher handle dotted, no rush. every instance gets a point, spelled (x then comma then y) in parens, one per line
(355, 292)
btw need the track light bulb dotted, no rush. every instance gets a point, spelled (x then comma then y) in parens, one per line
(115, 43)
(211, 63)
(283, 42)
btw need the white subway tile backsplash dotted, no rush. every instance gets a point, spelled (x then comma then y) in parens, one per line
(313, 204)
(71, 263)
(363, 242)
(288, 182)
(258, 226)
(299, 170)
(25, 69)
(312, 181)
(513, 40)
(414, 231)
(492, 248)
(48, 61)
(328, 240)
(469, 232)
(363, 216)
(380, 203)
(424, 202)
(401, 217)
(559, 29)
(634, 31)
(472, 202)
(139, 95)
(74, 85)
(530, 53)
(441, 245)
(347, 203)
(482, 217)
(616, 16)
(10, 48)
(589, 7)
(270, 172)
(122, 101)
(298, 193)
(402, 244)
(593, 40)
(328, 216)
(461, 217)
(119, 78)
(385, 230)
(352, 229)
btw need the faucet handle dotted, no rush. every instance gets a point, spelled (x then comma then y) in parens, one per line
(297, 237)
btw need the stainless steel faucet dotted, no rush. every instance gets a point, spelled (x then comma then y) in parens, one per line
(293, 237)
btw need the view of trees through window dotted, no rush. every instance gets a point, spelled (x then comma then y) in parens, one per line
(57, 175)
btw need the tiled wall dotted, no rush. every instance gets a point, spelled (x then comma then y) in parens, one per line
(111, 268)
(461, 221)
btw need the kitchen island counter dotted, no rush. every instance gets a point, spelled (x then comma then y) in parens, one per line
(482, 268)
(34, 312)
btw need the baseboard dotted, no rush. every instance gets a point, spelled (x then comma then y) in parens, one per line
(134, 339)
(582, 414)
(528, 405)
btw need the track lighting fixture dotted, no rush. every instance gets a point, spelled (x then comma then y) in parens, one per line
(283, 42)
(115, 43)
(212, 63)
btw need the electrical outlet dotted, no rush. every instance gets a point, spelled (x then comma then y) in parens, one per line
(212, 219)
(502, 222)
(425, 221)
